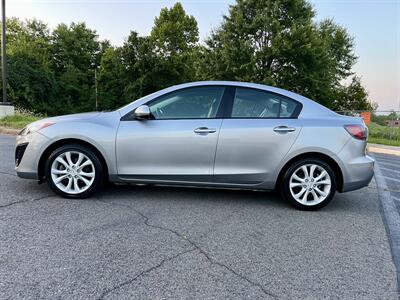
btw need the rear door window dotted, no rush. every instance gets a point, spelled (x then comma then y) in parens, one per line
(258, 104)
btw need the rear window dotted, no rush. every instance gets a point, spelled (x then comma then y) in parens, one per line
(258, 104)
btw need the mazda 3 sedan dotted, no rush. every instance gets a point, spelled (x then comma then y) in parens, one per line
(214, 134)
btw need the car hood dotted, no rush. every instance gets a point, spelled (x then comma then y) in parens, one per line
(73, 117)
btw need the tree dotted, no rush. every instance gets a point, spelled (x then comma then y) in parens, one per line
(277, 43)
(164, 58)
(111, 79)
(173, 40)
(75, 54)
(31, 82)
(352, 97)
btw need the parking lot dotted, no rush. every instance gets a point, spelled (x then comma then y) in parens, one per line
(163, 242)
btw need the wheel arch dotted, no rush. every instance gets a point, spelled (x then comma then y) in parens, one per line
(52, 147)
(324, 157)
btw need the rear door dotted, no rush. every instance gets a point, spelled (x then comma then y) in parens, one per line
(258, 131)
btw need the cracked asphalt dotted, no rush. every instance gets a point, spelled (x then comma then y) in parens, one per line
(143, 242)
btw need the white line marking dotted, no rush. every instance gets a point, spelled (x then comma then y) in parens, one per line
(390, 178)
(387, 169)
(391, 161)
(385, 163)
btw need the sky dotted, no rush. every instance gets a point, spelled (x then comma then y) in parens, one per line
(374, 24)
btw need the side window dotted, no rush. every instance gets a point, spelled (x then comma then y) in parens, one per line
(191, 103)
(252, 103)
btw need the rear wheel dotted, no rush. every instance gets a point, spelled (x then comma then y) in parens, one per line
(74, 171)
(309, 184)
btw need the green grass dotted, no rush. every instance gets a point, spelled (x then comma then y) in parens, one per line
(18, 121)
(383, 141)
(384, 135)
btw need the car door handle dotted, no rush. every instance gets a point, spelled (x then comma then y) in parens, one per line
(284, 129)
(204, 130)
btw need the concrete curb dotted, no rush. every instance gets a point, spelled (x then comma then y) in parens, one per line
(376, 148)
(11, 131)
(391, 219)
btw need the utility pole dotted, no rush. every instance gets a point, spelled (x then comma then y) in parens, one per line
(3, 50)
(95, 86)
(5, 107)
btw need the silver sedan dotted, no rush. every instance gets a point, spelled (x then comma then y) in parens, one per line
(214, 134)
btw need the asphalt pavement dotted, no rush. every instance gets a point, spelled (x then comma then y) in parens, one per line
(142, 242)
(387, 174)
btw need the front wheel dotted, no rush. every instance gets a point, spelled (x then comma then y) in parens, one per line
(74, 171)
(309, 184)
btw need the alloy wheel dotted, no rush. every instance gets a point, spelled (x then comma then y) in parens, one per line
(72, 172)
(310, 184)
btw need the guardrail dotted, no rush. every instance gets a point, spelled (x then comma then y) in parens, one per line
(383, 125)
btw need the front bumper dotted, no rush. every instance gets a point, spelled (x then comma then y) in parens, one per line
(27, 163)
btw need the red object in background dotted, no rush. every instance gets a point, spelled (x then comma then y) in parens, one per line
(366, 115)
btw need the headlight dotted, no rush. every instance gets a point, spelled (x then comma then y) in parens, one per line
(35, 127)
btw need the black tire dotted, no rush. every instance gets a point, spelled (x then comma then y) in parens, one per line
(285, 185)
(99, 177)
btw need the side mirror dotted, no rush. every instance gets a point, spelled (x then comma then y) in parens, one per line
(142, 112)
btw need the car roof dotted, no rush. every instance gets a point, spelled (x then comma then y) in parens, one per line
(310, 107)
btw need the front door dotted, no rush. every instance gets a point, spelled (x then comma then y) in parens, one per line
(177, 143)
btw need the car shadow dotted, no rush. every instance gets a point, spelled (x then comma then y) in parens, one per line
(174, 193)
(349, 202)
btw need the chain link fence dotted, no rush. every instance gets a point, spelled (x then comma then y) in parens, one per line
(384, 126)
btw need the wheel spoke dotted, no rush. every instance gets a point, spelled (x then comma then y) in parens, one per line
(68, 187)
(69, 160)
(312, 169)
(298, 195)
(90, 175)
(315, 196)
(305, 196)
(62, 161)
(87, 182)
(80, 158)
(58, 172)
(86, 163)
(323, 182)
(295, 176)
(76, 186)
(304, 168)
(320, 176)
(61, 178)
(322, 193)
(294, 184)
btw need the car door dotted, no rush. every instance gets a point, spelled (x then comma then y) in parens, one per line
(177, 143)
(258, 131)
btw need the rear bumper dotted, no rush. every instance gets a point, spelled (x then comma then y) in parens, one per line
(358, 173)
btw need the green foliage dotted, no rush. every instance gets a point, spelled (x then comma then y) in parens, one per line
(274, 42)
(277, 43)
(75, 54)
(19, 120)
(146, 64)
(352, 97)
(384, 135)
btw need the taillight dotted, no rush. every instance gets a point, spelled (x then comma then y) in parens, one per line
(358, 132)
